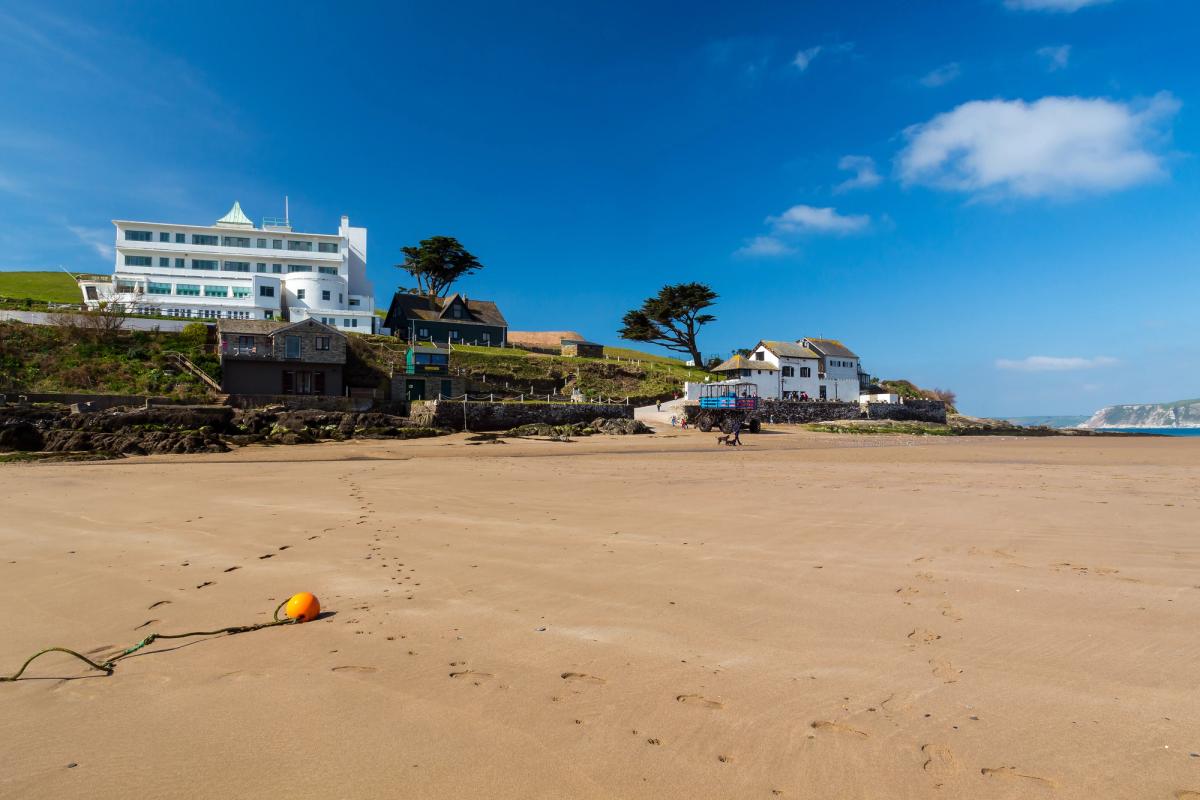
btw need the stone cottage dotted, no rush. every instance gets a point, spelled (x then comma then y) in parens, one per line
(271, 358)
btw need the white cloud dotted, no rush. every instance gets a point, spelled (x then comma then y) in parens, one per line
(1056, 57)
(865, 175)
(797, 221)
(99, 240)
(764, 247)
(941, 76)
(1066, 6)
(810, 219)
(1055, 363)
(1054, 146)
(804, 58)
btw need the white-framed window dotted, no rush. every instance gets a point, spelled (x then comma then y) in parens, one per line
(300, 294)
(806, 372)
(324, 294)
(789, 372)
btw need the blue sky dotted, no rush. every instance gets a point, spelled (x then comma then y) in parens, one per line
(993, 196)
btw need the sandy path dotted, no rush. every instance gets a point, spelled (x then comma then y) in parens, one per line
(810, 616)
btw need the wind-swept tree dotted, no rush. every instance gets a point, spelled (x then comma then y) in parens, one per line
(672, 318)
(436, 263)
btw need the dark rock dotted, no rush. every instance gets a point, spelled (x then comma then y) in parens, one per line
(21, 436)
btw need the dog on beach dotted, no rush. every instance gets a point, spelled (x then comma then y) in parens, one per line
(726, 439)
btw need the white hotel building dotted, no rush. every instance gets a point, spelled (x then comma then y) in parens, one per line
(232, 270)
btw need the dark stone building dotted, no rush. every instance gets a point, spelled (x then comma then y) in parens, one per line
(453, 319)
(581, 348)
(272, 358)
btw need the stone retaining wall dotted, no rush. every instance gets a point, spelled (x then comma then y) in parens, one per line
(796, 412)
(816, 411)
(483, 416)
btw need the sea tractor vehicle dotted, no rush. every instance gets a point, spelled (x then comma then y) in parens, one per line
(724, 404)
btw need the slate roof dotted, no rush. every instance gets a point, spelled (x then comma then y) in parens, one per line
(741, 362)
(830, 347)
(407, 306)
(265, 326)
(788, 349)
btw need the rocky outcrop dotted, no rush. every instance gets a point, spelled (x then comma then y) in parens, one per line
(20, 435)
(487, 416)
(612, 427)
(187, 429)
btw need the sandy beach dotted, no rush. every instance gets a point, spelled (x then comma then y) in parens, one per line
(810, 616)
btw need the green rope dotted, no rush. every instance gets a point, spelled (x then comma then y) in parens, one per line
(108, 665)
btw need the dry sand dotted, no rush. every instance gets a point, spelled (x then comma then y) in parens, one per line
(651, 617)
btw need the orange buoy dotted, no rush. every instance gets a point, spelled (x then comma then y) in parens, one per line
(303, 607)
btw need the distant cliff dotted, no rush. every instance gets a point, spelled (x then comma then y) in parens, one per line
(1180, 414)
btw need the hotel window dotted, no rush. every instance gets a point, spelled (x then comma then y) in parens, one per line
(138, 236)
(262, 243)
(339, 297)
(346, 323)
(181, 238)
(159, 288)
(789, 372)
(236, 266)
(268, 315)
(179, 263)
(276, 244)
(164, 262)
(191, 289)
(261, 267)
(291, 347)
(327, 247)
(200, 263)
(300, 294)
(321, 343)
(805, 372)
(324, 294)
(216, 291)
(299, 268)
(266, 291)
(353, 300)
(124, 287)
(139, 261)
(277, 268)
(163, 236)
(327, 270)
(241, 291)
(293, 244)
(203, 238)
(236, 241)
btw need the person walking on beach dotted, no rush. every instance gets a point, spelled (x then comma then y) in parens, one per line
(672, 420)
(658, 406)
(737, 433)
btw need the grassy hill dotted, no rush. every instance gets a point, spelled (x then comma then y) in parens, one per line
(513, 371)
(46, 358)
(41, 287)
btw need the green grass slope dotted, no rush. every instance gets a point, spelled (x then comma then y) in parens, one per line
(509, 370)
(42, 287)
(46, 358)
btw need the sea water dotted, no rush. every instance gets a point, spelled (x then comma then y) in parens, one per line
(1157, 431)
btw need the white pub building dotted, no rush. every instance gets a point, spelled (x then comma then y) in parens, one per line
(233, 270)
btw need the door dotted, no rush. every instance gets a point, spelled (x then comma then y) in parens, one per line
(823, 397)
(414, 389)
(446, 387)
(318, 383)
